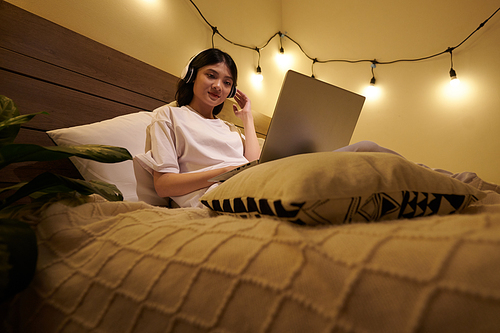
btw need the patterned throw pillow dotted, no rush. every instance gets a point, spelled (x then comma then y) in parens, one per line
(340, 187)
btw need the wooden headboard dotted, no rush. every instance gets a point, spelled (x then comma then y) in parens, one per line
(46, 67)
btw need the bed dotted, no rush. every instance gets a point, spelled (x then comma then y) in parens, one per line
(325, 242)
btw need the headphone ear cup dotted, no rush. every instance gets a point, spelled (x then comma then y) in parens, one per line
(188, 73)
(188, 77)
(232, 93)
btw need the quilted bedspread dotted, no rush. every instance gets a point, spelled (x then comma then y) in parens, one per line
(131, 267)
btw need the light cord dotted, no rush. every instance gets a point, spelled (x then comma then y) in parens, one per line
(316, 60)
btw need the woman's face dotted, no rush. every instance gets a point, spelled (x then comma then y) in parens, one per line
(212, 85)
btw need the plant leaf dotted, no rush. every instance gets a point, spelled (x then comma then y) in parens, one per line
(13, 187)
(15, 153)
(10, 120)
(51, 183)
(8, 110)
(18, 120)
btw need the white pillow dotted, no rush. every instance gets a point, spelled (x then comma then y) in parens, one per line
(128, 131)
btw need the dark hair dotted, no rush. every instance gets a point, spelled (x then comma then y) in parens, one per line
(184, 94)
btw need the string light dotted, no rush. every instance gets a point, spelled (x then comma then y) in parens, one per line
(258, 70)
(316, 60)
(373, 66)
(454, 79)
(283, 60)
(282, 50)
(372, 92)
(258, 74)
(454, 82)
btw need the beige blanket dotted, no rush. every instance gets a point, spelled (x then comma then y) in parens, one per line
(131, 267)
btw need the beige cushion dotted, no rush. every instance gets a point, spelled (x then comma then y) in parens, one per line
(341, 187)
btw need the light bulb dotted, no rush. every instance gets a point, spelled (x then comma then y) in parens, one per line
(455, 82)
(283, 60)
(372, 92)
(454, 79)
(258, 77)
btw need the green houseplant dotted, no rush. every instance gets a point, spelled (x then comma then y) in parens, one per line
(18, 249)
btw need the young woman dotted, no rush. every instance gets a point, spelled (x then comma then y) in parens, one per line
(187, 145)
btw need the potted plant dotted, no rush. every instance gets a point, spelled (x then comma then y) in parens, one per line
(18, 247)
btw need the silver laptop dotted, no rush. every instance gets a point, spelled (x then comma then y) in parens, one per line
(310, 116)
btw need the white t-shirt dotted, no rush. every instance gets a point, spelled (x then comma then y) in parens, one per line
(180, 140)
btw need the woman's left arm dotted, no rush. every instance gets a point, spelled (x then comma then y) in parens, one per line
(252, 147)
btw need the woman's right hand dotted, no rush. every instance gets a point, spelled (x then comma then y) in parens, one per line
(177, 184)
(244, 104)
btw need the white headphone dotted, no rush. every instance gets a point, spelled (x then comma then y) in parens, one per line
(188, 75)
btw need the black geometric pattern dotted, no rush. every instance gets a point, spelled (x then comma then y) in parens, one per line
(376, 207)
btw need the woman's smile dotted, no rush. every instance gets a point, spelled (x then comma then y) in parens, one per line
(214, 95)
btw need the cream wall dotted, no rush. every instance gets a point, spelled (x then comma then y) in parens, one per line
(414, 114)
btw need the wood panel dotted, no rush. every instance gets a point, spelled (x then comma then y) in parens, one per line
(66, 107)
(33, 36)
(40, 70)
